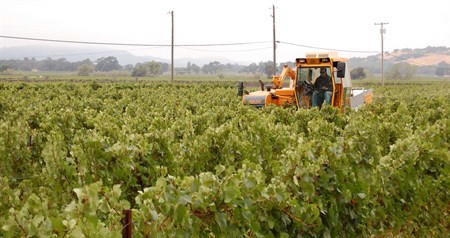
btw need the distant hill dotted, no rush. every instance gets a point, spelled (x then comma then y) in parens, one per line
(74, 54)
(421, 57)
(426, 59)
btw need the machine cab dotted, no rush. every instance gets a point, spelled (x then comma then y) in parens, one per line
(308, 70)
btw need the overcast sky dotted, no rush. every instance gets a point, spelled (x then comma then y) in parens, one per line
(342, 25)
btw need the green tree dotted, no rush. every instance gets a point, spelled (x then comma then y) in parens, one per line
(164, 67)
(195, 68)
(29, 64)
(139, 71)
(402, 71)
(107, 64)
(48, 64)
(211, 68)
(252, 68)
(394, 73)
(3, 67)
(268, 69)
(85, 70)
(188, 67)
(147, 69)
(358, 73)
(442, 69)
(153, 68)
(409, 71)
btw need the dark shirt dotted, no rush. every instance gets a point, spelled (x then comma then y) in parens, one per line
(323, 83)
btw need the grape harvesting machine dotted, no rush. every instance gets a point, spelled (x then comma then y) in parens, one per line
(301, 85)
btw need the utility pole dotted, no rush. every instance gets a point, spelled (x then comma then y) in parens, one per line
(172, 66)
(382, 32)
(274, 42)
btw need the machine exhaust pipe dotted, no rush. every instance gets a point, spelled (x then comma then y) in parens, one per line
(241, 89)
(262, 85)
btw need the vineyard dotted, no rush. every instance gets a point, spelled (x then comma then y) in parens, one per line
(189, 161)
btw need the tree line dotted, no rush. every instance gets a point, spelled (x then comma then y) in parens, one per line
(403, 70)
(152, 68)
(399, 70)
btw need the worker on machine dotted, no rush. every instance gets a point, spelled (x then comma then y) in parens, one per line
(323, 87)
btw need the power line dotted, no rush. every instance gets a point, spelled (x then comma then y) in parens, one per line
(128, 44)
(227, 51)
(321, 48)
(180, 45)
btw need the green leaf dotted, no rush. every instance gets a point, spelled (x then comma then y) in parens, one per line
(249, 183)
(104, 207)
(362, 195)
(154, 214)
(286, 220)
(181, 213)
(221, 220)
(326, 234)
(185, 199)
(71, 207)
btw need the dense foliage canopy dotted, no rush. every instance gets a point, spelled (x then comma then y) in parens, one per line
(189, 160)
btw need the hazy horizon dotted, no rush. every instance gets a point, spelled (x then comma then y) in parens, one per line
(347, 27)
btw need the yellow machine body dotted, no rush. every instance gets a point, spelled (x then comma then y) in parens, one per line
(302, 78)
